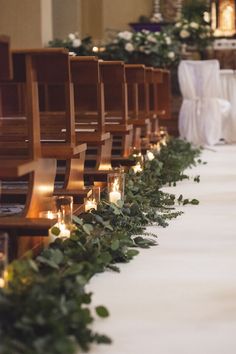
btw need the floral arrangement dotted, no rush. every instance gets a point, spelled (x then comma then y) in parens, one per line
(152, 48)
(74, 44)
(193, 33)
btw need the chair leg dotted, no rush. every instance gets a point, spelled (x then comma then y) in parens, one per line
(104, 155)
(41, 186)
(137, 138)
(127, 144)
(74, 175)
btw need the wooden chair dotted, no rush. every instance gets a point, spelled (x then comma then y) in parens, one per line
(164, 95)
(90, 117)
(155, 111)
(57, 122)
(116, 109)
(138, 103)
(20, 155)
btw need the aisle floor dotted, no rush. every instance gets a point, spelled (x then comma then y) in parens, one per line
(180, 297)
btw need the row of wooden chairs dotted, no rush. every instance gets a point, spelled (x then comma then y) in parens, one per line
(65, 121)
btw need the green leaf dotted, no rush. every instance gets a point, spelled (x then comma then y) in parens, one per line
(57, 256)
(88, 228)
(194, 202)
(115, 245)
(47, 262)
(132, 253)
(55, 231)
(77, 220)
(102, 311)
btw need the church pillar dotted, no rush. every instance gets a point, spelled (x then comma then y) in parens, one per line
(66, 17)
(27, 22)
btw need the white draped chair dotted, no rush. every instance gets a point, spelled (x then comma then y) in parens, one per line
(203, 110)
(228, 84)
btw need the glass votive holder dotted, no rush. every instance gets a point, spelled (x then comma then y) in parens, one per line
(3, 258)
(91, 202)
(64, 210)
(115, 186)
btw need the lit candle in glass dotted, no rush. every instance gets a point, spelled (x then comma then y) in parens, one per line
(115, 185)
(64, 209)
(115, 194)
(91, 202)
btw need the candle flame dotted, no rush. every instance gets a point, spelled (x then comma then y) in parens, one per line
(115, 186)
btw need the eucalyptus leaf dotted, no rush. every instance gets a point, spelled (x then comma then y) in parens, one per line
(88, 228)
(115, 245)
(55, 230)
(102, 311)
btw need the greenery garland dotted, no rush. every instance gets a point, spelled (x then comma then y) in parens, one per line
(45, 307)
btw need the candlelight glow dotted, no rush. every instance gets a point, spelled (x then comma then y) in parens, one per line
(115, 194)
(150, 155)
(90, 204)
(48, 215)
(137, 168)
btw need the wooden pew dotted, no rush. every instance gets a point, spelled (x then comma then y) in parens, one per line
(138, 103)
(155, 111)
(90, 117)
(116, 110)
(164, 95)
(57, 138)
(20, 155)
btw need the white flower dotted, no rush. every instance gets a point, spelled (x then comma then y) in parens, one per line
(184, 34)
(71, 36)
(171, 55)
(168, 40)
(178, 24)
(145, 31)
(194, 25)
(202, 35)
(150, 155)
(142, 48)
(129, 47)
(76, 43)
(127, 35)
(151, 38)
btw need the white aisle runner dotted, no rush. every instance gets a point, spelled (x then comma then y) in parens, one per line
(180, 297)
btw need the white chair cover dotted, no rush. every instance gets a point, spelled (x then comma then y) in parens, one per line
(202, 110)
(228, 83)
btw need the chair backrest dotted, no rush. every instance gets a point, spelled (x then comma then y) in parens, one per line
(201, 114)
(115, 91)
(88, 92)
(199, 79)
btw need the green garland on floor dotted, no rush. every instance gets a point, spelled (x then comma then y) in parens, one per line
(45, 308)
